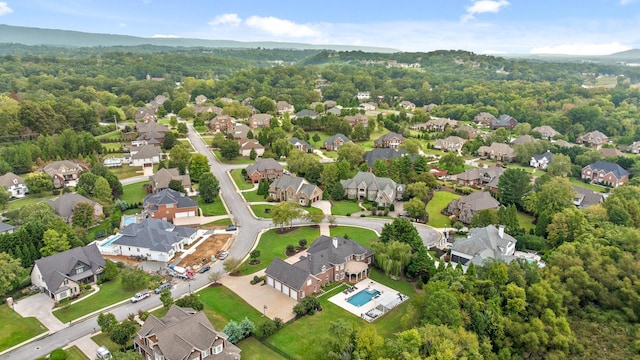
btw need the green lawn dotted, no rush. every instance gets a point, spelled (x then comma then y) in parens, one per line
(368, 145)
(255, 350)
(134, 193)
(252, 196)
(236, 175)
(330, 154)
(440, 201)
(259, 210)
(103, 339)
(212, 209)
(590, 186)
(222, 305)
(126, 171)
(186, 144)
(313, 210)
(30, 199)
(225, 221)
(238, 160)
(105, 227)
(360, 235)
(526, 221)
(15, 329)
(113, 134)
(273, 245)
(113, 147)
(110, 293)
(74, 353)
(344, 207)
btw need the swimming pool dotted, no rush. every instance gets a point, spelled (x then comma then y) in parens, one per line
(110, 241)
(128, 220)
(363, 297)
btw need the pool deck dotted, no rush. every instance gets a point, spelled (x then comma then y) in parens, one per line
(341, 299)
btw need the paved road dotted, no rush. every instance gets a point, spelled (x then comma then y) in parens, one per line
(248, 230)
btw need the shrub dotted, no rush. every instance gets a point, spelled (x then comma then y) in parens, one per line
(291, 248)
(58, 354)
(307, 306)
(87, 287)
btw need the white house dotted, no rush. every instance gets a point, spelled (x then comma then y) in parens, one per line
(541, 161)
(14, 184)
(482, 244)
(146, 156)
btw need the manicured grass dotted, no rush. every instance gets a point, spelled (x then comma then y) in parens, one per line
(212, 209)
(590, 186)
(252, 196)
(186, 144)
(126, 171)
(110, 293)
(526, 221)
(323, 138)
(225, 221)
(236, 175)
(238, 160)
(105, 227)
(368, 145)
(255, 350)
(30, 199)
(313, 210)
(113, 147)
(15, 329)
(134, 193)
(103, 339)
(344, 207)
(259, 210)
(74, 353)
(273, 245)
(222, 305)
(109, 135)
(440, 201)
(360, 235)
(330, 154)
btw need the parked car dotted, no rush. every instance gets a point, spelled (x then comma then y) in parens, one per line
(103, 353)
(164, 285)
(204, 269)
(223, 255)
(231, 228)
(140, 296)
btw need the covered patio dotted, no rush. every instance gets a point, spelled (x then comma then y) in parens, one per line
(356, 271)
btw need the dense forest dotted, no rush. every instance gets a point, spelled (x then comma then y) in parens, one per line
(584, 304)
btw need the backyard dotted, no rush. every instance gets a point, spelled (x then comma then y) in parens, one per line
(134, 193)
(31, 199)
(236, 175)
(15, 329)
(360, 235)
(440, 201)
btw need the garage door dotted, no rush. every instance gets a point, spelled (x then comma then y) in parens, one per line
(278, 285)
(270, 281)
(185, 214)
(285, 290)
(293, 294)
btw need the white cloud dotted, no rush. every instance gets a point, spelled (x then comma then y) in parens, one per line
(484, 6)
(281, 27)
(122, 25)
(5, 9)
(162, 36)
(226, 19)
(582, 49)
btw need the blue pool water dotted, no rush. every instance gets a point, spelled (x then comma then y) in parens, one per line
(363, 297)
(110, 241)
(128, 220)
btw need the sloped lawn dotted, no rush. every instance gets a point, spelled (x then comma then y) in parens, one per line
(439, 202)
(236, 175)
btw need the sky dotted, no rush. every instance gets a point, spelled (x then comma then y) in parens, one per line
(579, 27)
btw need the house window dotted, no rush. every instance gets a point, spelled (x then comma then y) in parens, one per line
(79, 269)
(158, 356)
(217, 349)
(309, 282)
(63, 295)
(205, 353)
(337, 277)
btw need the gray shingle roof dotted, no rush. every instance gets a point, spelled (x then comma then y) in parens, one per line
(484, 243)
(6, 227)
(307, 113)
(477, 201)
(56, 268)
(546, 155)
(286, 273)
(332, 140)
(382, 153)
(299, 184)
(263, 165)
(373, 182)
(503, 120)
(57, 166)
(327, 251)
(163, 177)
(609, 167)
(169, 196)
(387, 137)
(298, 142)
(65, 203)
(147, 152)
(153, 234)
(9, 179)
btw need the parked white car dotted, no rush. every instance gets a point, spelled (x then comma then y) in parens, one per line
(140, 296)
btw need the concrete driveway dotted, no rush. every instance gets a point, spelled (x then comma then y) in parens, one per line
(39, 306)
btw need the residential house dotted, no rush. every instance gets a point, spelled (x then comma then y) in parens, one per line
(385, 154)
(148, 138)
(466, 207)
(436, 124)
(250, 144)
(65, 204)
(258, 121)
(634, 148)
(484, 118)
(563, 143)
(482, 244)
(294, 189)
(247, 101)
(584, 197)
(300, 144)
(151, 126)
(14, 184)
(471, 132)
(450, 143)
(200, 99)
(161, 179)
(306, 113)
(6, 228)
(368, 106)
(61, 275)
(168, 205)
(594, 139)
(181, 334)
(240, 132)
(407, 105)
(223, 123)
(335, 142)
(479, 177)
(226, 100)
(366, 186)
(283, 107)
(606, 173)
(146, 156)
(389, 140)
(153, 239)
(145, 114)
(64, 173)
(524, 139)
(335, 111)
(541, 161)
(546, 132)
(430, 107)
(363, 95)
(357, 119)
(504, 121)
(328, 104)
(200, 109)
(268, 169)
(328, 259)
(497, 151)
(610, 152)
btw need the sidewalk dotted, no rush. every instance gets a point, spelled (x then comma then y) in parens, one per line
(86, 345)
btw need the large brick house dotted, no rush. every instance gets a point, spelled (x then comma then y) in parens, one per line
(497, 151)
(335, 142)
(183, 334)
(168, 205)
(450, 143)
(466, 207)
(295, 189)
(64, 173)
(268, 169)
(504, 121)
(479, 177)
(328, 259)
(389, 140)
(607, 173)
(594, 139)
(365, 185)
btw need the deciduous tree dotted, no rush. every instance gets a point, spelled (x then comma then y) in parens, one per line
(209, 187)
(82, 215)
(54, 243)
(10, 272)
(285, 212)
(199, 165)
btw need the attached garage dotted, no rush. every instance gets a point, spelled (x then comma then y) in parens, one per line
(278, 285)
(185, 214)
(285, 289)
(293, 294)
(270, 281)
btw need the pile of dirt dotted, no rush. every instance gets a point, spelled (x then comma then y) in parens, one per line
(210, 247)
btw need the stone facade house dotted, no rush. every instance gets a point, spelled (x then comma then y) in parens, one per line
(366, 186)
(294, 189)
(61, 275)
(450, 143)
(14, 184)
(594, 139)
(146, 156)
(606, 173)
(258, 121)
(389, 140)
(168, 205)
(64, 173)
(479, 177)
(268, 169)
(497, 151)
(283, 107)
(328, 259)
(181, 334)
(161, 179)
(481, 244)
(466, 207)
(335, 142)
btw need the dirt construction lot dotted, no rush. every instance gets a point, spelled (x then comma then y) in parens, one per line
(212, 246)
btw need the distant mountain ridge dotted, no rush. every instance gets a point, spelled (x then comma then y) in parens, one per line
(68, 38)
